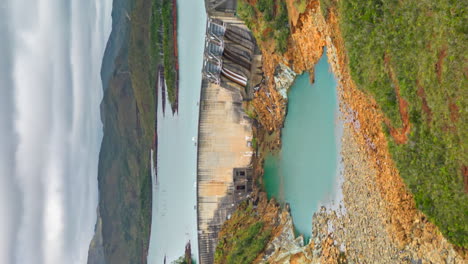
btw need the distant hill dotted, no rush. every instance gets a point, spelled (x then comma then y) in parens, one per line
(127, 112)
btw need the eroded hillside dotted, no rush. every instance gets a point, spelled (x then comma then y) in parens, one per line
(382, 221)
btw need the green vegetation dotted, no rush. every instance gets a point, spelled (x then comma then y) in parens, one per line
(128, 116)
(155, 37)
(142, 77)
(137, 176)
(267, 7)
(182, 260)
(325, 5)
(281, 27)
(246, 12)
(242, 238)
(162, 41)
(424, 43)
(268, 20)
(342, 258)
(254, 143)
(250, 112)
(301, 5)
(168, 50)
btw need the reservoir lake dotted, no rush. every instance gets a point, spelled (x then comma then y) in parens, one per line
(174, 216)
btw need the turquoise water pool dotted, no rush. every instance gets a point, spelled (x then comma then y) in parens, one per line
(304, 172)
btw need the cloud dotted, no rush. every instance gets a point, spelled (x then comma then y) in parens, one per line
(50, 128)
(9, 198)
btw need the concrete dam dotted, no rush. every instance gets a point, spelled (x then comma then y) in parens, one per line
(231, 71)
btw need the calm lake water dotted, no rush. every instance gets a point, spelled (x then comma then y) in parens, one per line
(304, 173)
(174, 220)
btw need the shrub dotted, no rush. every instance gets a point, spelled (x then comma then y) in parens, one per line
(242, 238)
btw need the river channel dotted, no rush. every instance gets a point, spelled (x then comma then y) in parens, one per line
(305, 173)
(174, 220)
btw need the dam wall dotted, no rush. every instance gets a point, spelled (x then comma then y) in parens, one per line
(224, 140)
(231, 71)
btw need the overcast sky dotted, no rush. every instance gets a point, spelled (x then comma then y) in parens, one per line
(50, 128)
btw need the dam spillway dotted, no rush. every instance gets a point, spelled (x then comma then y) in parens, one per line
(224, 173)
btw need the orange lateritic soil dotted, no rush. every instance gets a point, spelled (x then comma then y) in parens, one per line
(440, 63)
(399, 135)
(425, 107)
(400, 205)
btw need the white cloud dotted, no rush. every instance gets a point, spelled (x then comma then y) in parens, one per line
(50, 128)
(8, 192)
